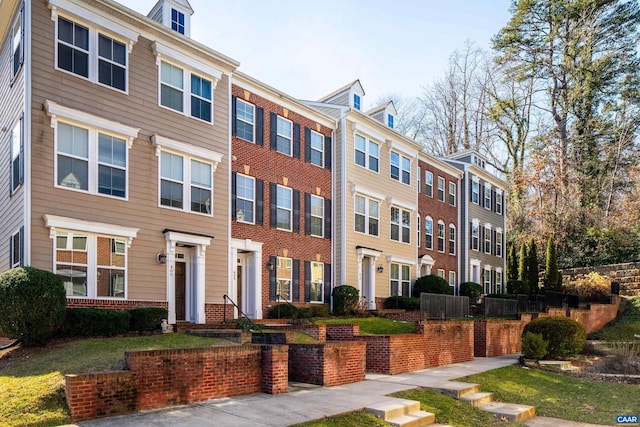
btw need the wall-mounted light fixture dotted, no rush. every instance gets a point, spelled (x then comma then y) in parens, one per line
(270, 266)
(161, 258)
(380, 268)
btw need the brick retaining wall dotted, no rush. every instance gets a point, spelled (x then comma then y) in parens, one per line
(329, 364)
(498, 337)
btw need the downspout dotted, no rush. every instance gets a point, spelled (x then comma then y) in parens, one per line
(27, 131)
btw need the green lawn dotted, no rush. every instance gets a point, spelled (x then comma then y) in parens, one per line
(560, 396)
(354, 419)
(376, 325)
(625, 326)
(32, 389)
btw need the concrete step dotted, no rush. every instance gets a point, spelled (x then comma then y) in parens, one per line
(559, 364)
(414, 419)
(512, 411)
(456, 389)
(477, 399)
(393, 408)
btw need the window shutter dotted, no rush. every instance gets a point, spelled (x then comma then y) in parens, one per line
(327, 283)
(481, 243)
(22, 246)
(273, 130)
(273, 197)
(493, 200)
(259, 125)
(272, 279)
(259, 201)
(234, 115)
(296, 140)
(327, 152)
(481, 191)
(470, 234)
(296, 211)
(307, 213)
(22, 146)
(234, 179)
(307, 144)
(307, 281)
(295, 283)
(494, 240)
(11, 261)
(327, 218)
(470, 182)
(11, 183)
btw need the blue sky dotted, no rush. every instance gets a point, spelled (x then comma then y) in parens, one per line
(309, 49)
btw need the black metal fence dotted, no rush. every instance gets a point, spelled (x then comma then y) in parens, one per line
(438, 306)
(500, 307)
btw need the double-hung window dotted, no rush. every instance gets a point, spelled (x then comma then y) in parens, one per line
(390, 120)
(452, 239)
(17, 44)
(400, 225)
(284, 270)
(400, 279)
(487, 280)
(16, 250)
(452, 193)
(284, 208)
(428, 183)
(88, 52)
(173, 90)
(498, 284)
(245, 198)
(475, 236)
(284, 139)
(400, 168)
(245, 120)
(499, 243)
(200, 98)
(317, 282)
(177, 21)
(171, 86)
(17, 156)
(441, 189)
(475, 192)
(367, 215)
(356, 101)
(499, 203)
(317, 149)
(487, 240)
(452, 278)
(487, 196)
(418, 234)
(185, 183)
(367, 153)
(441, 273)
(428, 232)
(440, 236)
(316, 215)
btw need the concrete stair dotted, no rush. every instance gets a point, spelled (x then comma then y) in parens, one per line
(562, 365)
(471, 393)
(402, 413)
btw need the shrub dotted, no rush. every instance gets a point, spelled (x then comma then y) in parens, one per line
(345, 299)
(283, 311)
(319, 311)
(402, 302)
(533, 346)
(592, 287)
(32, 305)
(472, 290)
(516, 287)
(564, 336)
(91, 322)
(431, 284)
(147, 318)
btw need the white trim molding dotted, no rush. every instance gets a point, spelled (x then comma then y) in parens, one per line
(358, 189)
(162, 51)
(161, 142)
(54, 222)
(395, 259)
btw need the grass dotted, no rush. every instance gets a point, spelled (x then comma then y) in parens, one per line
(353, 419)
(32, 387)
(625, 326)
(560, 396)
(376, 325)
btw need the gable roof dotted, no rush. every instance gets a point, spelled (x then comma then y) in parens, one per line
(342, 90)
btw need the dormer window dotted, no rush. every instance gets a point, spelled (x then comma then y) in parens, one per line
(356, 101)
(390, 120)
(177, 21)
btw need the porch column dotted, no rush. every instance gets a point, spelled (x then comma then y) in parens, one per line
(199, 283)
(171, 280)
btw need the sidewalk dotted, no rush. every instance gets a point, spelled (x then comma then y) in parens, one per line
(303, 404)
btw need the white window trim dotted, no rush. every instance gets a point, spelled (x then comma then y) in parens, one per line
(452, 186)
(167, 144)
(452, 227)
(428, 218)
(253, 124)
(12, 261)
(441, 273)
(278, 134)
(473, 184)
(54, 222)
(498, 243)
(16, 154)
(444, 236)
(452, 282)
(367, 214)
(477, 226)
(290, 209)
(444, 186)
(499, 202)
(400, 225)
(19, 18)
(290, 279)
(253, 201)
(428, 173)
(321, 300)
(311, 215)
(367, 153)
(96, 24)
(419, 231)
(401, 279)
(487, 196)
(401, 168)
(321, 165)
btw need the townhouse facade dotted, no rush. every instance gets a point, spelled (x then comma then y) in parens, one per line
(281, 202)
(146, 170)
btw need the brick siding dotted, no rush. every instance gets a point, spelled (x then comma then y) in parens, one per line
(113, 304)
(329, 364)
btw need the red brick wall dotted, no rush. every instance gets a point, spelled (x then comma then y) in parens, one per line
(318, 332)
(395, 354)
(447, 341)
(161, 378)
(597, 317)
(342, 332)
(113, 304)
(215, 312)
(438, 211)
(329, 364)
(405, 316)
(498, 337)
(274, 167)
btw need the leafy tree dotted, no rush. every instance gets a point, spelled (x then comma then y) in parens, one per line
(552, 277)
(532, 268)
(522, 263)
(512, 263)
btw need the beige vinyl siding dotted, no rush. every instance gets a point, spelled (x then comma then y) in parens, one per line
(342, 99)
(11, 108)
(338, 211)
(381, 184)
(146, 278)
(330, 111)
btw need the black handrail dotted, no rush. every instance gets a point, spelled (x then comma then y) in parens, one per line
(224, 314)
(295, 309)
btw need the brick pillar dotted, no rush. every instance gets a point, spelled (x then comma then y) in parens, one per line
(275, 369)
(480, 338)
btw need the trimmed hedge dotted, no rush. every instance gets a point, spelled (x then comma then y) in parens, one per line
(533, 346)
(402, 302)
(564, 336)
(286, 311)
(32, 305)
(345, 299)
(472, 290)
(147, 318)
(516, 287)
(431, 284)
(96, 322)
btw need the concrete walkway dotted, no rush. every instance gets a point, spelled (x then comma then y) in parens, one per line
(303, 403)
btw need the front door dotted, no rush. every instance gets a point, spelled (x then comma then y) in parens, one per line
(180, 290)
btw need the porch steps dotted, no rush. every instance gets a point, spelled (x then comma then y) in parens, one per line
(471, 393)
(402, 413)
